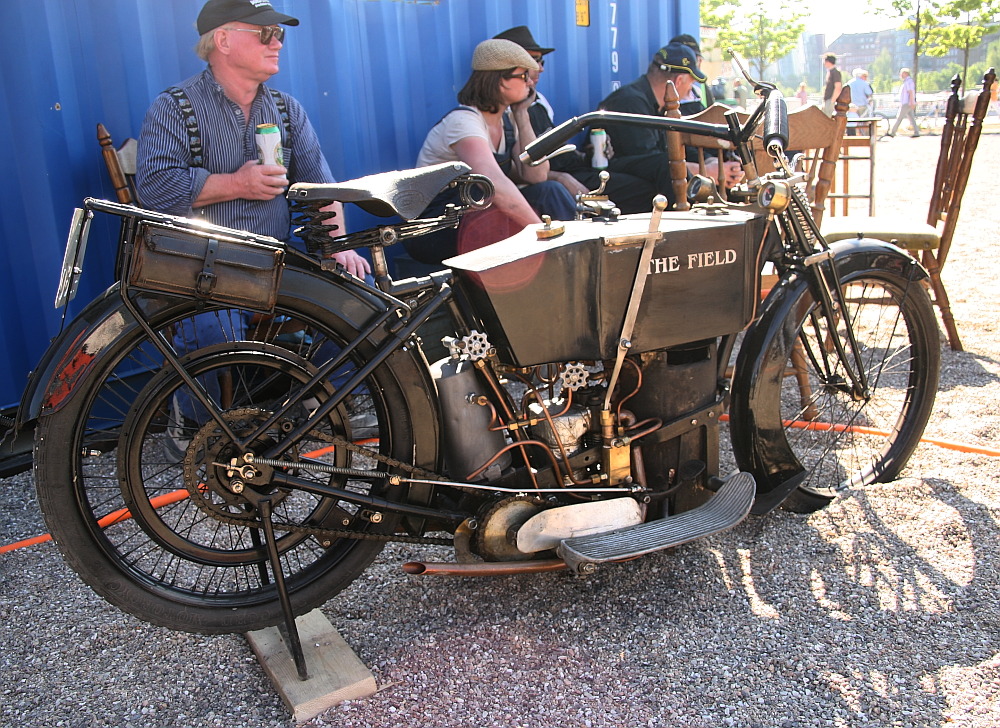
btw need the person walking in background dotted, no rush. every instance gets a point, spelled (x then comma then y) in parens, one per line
(802, 94)
(740, 93)
(861, 92)
(907, 103)
(834, 82)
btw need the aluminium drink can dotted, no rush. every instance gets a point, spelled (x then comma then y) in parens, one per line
(268, 139)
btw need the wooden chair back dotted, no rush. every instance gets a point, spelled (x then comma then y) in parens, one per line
(709, 147)
(959, 139)
(675, 149)
(121, 165)
(810, 131)
(818, 138)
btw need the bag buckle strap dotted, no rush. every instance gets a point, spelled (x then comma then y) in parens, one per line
(207, 277)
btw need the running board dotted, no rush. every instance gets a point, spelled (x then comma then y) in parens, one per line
(730, 505)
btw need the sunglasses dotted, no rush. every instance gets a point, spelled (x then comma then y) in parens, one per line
(540, 61)
(265, 33)
(523, 76)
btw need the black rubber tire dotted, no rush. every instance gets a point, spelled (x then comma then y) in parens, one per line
(837, 444)
(175, 565)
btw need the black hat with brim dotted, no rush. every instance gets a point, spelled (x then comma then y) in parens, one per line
(216, 13)
(522, 36)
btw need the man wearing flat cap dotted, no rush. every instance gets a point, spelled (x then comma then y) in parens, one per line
(642, 151)
(699, 97)
(197, 157)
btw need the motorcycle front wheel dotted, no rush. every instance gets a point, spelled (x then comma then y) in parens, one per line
(132, 478)
(793, 412)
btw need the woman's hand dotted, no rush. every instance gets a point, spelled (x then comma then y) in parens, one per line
(571, 183)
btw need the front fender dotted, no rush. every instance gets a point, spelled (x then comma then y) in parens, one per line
(762, 448)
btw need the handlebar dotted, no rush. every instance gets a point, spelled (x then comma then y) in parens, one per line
(775, 123)
(554, 138)
(774, 112)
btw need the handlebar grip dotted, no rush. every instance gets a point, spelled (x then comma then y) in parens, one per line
(775, 121)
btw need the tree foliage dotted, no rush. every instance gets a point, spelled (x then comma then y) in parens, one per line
(971, 21)
(882, 74)
(917, 15)
(762, 32)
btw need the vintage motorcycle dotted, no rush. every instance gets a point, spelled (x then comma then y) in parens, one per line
(231, 433)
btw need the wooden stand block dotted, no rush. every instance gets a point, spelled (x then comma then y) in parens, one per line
(335, 672)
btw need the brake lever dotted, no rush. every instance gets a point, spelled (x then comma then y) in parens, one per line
(758, 86)
(561, 150)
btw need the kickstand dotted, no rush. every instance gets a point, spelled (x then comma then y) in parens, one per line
(289, 631)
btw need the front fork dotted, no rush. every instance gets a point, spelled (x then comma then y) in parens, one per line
(812, 254)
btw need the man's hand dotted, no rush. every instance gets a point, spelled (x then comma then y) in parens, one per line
(260, 181)
(732, 171)
(355, 264)
(252, 181)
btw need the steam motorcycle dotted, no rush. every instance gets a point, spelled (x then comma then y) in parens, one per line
(232, 432)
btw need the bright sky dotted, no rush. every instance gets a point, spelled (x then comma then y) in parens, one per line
(836, 17)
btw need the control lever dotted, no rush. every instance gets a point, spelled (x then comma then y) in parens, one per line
(596, 203)
(561, 150)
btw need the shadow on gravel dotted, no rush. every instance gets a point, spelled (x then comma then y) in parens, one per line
(849, 615)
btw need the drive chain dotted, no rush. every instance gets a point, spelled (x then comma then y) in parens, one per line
(326, 534)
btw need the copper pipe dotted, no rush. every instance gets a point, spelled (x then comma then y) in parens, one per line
(484, 568)
(521, 444)
(638, 386)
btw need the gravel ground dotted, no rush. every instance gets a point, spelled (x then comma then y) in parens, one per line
(880, 610)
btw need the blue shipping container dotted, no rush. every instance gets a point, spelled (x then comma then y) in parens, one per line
(374, 76)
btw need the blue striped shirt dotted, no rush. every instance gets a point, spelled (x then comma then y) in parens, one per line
(166, 181)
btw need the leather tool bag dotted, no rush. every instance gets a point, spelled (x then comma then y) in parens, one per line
(243, 272)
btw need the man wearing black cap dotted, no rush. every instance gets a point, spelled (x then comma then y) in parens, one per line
(197, 152)
(573, 170)
(642, 151)
(197, 156)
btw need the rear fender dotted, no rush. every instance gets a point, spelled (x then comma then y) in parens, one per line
(94, 332)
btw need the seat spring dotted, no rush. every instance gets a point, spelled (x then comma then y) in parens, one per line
(314, 227)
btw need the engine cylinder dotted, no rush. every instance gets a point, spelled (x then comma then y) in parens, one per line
(469, 442)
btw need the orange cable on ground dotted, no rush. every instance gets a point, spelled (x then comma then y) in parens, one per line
(178, 495)
(947, 444)
(122, 514)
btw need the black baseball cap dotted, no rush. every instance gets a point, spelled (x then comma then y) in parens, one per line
(679, 58)
(255, 12)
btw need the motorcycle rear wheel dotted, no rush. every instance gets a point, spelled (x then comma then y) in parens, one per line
(165, 540)
(798, 419)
